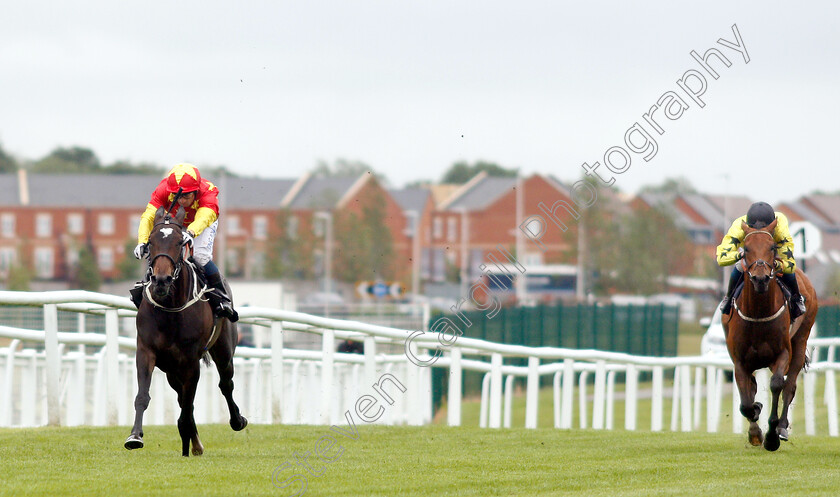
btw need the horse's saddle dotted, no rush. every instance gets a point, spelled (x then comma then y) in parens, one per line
(785, 290)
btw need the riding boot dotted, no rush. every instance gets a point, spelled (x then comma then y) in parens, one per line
(797, 301)
(219, 299)
(734, 279)
(137, 291)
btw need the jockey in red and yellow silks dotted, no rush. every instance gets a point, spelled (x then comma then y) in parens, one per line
(759, 215)
(200, 200)
(201, 213)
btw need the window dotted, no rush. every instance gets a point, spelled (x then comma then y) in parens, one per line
(318, 227)
(43, 225)
(233, 225)
(7, 260)
(105, 258)
(452, 229)
(292, 227)
(106, 224)
(232, 261)
(260, 227)
(438, 265)
(75, 223)
(437, 228)
(44, 264)
(532, 259)
(133, 225)
(7, 225)
(258, 265)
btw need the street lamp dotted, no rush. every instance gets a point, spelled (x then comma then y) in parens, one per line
(328, 243)
(414, 233)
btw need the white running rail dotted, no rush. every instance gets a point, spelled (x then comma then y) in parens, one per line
(83, 378)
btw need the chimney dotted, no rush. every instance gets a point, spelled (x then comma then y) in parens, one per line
(23, 186)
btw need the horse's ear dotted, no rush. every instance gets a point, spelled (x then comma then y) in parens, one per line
(772, 226)
(159, 214)
(180, 214)
(745, 227)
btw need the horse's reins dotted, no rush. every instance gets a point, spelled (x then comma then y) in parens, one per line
(197, 294)
(760, 263)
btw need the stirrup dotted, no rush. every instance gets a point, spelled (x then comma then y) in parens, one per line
(797, 306)
(136, 294)
(225, 310)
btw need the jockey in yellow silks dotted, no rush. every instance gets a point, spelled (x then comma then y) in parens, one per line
(729, 252)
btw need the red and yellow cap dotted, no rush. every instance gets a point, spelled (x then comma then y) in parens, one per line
(185, 176)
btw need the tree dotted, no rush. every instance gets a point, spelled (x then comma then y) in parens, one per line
(364, 245)
(343, 167)
(291, 251)
(126, 167)
(831, 290)
(8, 164)
(679, 186)
(129, 267)
(19, 277)
(68, 160)
(598, 225)
(650, 248)
(461, 171)
(87, 273)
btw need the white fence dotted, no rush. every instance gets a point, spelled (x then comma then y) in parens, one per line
(82, 378)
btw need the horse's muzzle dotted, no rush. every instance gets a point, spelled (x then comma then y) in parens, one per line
(161, 285)
(760, 283)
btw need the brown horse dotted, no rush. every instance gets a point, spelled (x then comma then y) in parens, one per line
(759, 334)
(175, 329)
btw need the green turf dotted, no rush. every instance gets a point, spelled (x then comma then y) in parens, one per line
(415, 461)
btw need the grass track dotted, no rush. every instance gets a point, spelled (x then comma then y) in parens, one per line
(415, 461)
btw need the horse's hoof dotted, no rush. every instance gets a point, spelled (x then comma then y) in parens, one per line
(756, 438)
(133, 442)
(771, 442)
(783, 433)
(239, 426)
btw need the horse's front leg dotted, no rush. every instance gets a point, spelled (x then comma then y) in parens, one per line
(750, 409)
(777, 383)
(186, 422)
(145, 361)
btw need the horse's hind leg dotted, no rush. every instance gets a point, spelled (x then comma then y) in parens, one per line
(222, 353)
(777, 383)
(749, 408)
(186, 422)
(145, 360)
(797, 363)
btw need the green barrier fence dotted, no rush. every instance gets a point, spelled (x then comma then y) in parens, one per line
(649, 330)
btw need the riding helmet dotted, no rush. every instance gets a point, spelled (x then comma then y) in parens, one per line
(183, 176)
(760, 214)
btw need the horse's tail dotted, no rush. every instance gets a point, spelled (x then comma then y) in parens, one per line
(807, 363)
(206, 358)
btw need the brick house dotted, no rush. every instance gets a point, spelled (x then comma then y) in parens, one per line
(482, 215)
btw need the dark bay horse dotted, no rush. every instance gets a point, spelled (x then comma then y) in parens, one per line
(175, 330)
(759, 334)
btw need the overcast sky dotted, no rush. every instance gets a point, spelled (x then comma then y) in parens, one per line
(409, 87)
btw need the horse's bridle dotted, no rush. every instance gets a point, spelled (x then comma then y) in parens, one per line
(761, 262)
(177, 264)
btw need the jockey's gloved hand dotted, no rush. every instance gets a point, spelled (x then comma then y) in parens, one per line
(141, 250)
(189, 237)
